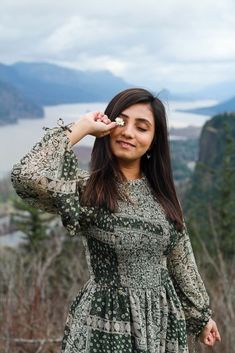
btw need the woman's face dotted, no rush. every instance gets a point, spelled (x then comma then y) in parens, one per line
(131, 141)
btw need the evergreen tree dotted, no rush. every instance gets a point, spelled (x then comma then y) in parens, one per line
(32, 222)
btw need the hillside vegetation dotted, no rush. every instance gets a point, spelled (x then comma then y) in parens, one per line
(14, 106)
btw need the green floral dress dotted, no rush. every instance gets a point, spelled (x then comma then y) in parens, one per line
(144, 294)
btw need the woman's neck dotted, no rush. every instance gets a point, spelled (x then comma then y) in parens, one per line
(131, 172)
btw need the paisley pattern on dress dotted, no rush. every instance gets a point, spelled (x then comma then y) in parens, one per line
(144, 294)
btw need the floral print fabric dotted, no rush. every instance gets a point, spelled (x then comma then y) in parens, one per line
(145, 294)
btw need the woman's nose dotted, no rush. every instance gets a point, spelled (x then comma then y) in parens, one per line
(127, 130)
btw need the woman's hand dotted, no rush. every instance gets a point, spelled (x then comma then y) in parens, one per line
(210, 334)
(97, 124)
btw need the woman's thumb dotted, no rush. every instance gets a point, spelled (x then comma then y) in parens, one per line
(110, 126)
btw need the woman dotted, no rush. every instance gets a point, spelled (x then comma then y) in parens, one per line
(144, 294)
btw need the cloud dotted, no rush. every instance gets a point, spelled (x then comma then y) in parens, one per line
(79, 33)
(170, 43)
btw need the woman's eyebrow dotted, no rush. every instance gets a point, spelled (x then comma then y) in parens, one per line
(144, 120)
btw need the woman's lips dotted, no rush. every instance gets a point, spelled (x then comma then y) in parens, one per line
(125, 144)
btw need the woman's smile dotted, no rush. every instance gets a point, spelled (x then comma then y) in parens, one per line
(125, 144)
(131, 141)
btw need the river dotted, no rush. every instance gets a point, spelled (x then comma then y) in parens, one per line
(17, 139)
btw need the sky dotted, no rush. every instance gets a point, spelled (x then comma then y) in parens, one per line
(181, 45)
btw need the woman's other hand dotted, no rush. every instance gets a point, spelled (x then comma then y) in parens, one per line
(210, 334)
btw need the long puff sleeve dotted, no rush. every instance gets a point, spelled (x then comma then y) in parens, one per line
(188, 284)
(48, 177)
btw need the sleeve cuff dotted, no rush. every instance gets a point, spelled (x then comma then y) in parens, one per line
(196, 325)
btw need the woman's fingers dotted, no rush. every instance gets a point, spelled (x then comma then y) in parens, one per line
(100, 129)
(102, 117)
(212, 337)
(216, 334)
(105, 119)
(111, 125)
(99, 124)
(107, 129)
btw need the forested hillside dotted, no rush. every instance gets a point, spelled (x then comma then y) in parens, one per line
(212, 185)
(14, 105)
(209, 206)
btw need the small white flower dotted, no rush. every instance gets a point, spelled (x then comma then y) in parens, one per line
(119, 121)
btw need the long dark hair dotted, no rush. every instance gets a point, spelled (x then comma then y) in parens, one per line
(102, 190)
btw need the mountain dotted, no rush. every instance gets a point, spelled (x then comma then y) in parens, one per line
(213, 180)
(13, 105)
(221, 91)
(49, 84)
(223, 107)
(212, 144)
(166, 95)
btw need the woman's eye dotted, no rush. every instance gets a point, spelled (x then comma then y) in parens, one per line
(142, 129)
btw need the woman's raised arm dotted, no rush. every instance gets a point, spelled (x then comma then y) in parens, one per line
(48, 177)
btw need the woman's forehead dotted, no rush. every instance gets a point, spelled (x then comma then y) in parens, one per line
(139, 112)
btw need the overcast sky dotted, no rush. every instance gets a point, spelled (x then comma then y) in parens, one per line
(177, 44)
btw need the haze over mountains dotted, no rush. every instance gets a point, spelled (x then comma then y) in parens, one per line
(26, 87)
(227, 106)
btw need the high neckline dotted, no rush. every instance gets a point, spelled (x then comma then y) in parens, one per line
(135, 181)
(139, 181)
